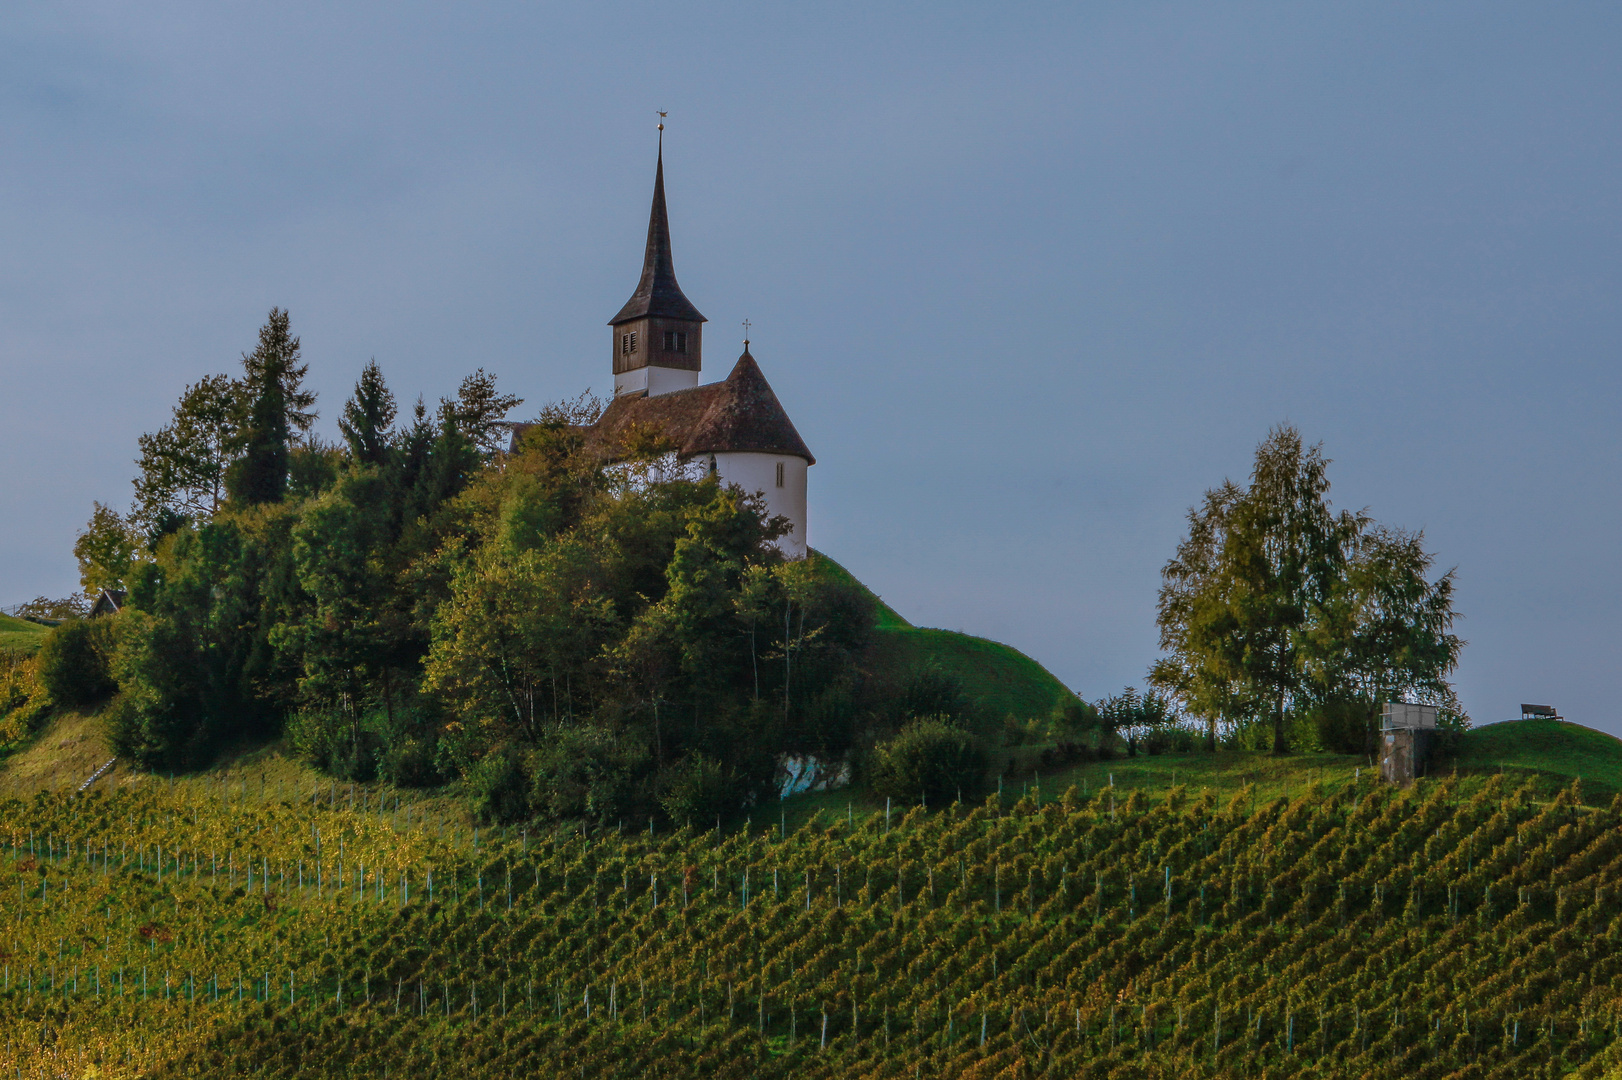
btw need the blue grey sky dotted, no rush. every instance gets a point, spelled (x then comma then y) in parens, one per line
(1029, 278)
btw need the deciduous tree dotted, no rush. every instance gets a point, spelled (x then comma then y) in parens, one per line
(107, 550)
(1274, 601)
(182, 466)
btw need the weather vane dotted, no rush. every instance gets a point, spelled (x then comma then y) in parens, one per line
(746, 325)
(662, 116)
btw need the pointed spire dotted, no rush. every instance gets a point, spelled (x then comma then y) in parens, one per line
(657, 294)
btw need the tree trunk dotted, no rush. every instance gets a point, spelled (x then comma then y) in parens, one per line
(658, 737)
(1278, 727)
(788, 653)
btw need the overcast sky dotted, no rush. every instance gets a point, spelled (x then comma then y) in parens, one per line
(1029, 278)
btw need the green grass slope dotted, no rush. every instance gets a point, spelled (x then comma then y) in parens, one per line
(1002, 680)
(1548, 753)
(888, 617)
(20, 634)
(209, 928)
(1551, 748)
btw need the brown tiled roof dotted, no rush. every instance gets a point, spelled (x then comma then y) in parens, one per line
(738, 414)
(657, 294)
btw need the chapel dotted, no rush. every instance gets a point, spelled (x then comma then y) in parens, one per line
(735, 428)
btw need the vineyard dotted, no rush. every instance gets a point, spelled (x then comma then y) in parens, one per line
(1462, 928)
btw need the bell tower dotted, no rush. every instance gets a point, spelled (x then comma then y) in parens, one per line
(658, 336)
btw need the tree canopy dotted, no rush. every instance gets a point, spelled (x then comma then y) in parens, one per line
(419, 604)
(1275, 604)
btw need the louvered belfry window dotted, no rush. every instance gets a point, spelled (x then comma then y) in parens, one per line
(670, 341)
(632, 336)
(625, 344)
(681, 342)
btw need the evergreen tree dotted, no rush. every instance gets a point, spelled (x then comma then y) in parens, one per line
(479, 410)
(368, 419)
(276, 411)
(451, 462)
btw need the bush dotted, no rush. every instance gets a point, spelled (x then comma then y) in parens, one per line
(499, 785)
(345, 748)
(1170, 739)
(409, 761)
(1064, 753)
(931, 690)
(75, 661)
(931, 759)
(697, 790)
(24, 704)
(156, 719)
(588, 771)
(1074, 721)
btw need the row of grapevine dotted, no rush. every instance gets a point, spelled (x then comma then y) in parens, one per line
(1459, 928)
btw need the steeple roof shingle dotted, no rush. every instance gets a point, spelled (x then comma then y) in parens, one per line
(657, 294)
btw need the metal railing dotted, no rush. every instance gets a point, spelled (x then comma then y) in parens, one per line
(98, 774)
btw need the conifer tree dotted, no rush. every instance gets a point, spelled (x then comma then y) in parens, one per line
(276, 411)
(368, 419)
(479, 409)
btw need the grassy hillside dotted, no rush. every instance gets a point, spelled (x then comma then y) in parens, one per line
(209, 928)
(889, 618)
(59, 758)
(1549, 748)
(1002, 680)
(20, 634)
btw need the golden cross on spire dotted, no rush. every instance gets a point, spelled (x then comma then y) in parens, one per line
(746, 325)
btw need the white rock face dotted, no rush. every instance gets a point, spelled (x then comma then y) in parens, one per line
(808, 773)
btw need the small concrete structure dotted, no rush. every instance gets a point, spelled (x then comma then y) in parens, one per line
(1406, 732)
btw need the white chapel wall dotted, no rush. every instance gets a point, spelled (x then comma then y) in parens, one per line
(758, 472)
(655, 380)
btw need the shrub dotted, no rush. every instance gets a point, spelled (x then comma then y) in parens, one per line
(697, 790)
(75, 661)
(23, 700)
(334, 743)
(931, 690)
(589, 771)
(1074, 721)
(156, 719)
(499, 785)
(409, 762)
(1064, 753)
(931, 759)
(1170, 739)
